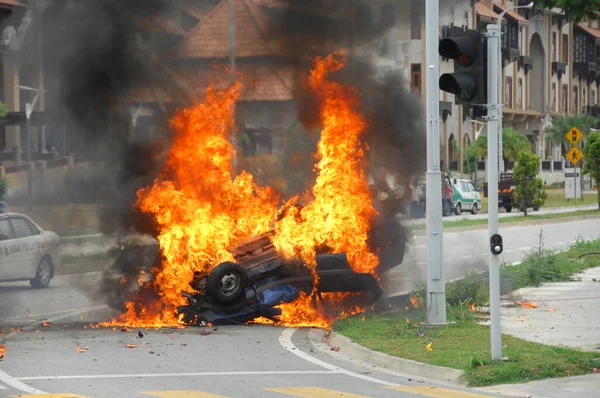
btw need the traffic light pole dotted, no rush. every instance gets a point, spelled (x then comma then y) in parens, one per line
(494, 121)
(436, 288)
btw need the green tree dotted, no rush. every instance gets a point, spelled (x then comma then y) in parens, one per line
(563, 123)
(575, 9)
(513, 143)
(529, 190)
(3, 110)
(591, 165)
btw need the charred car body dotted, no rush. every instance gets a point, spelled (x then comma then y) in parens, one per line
(260, 278)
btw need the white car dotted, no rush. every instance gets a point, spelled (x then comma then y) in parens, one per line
(27, 252)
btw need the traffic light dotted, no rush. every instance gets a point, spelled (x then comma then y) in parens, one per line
(469, 81)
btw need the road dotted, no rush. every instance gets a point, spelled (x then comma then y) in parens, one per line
(466, 251)
(238, 361)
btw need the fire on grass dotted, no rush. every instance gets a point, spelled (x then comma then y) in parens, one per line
(202, 209)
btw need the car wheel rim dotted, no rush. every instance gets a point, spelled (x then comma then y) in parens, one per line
(44, 275)
(229, 284)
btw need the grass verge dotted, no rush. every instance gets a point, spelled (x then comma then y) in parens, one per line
(514, 219)
(465, 344)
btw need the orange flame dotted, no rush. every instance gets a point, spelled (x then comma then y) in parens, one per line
(526, 304)
(2, 350)
(429, 347)
(81, 349)
(202, 209)
(341, 210)
(416, 300)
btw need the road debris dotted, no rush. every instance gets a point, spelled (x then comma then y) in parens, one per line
(551, 309)
(204, 332)
(46, 324)
(140, 335)
(335, 348)
(2, 351)
(131, 346)
(522, 318)
(82, 349)
(526, 304)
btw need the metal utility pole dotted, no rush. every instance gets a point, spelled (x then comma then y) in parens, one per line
(436, 288)
(494, 126)
(494, 120)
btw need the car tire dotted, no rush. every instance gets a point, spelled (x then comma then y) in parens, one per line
(458, 209)
(227, 283)
(508, 208)
(44, 274)
(475, 209)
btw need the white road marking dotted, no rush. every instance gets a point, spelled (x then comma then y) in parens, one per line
(285, 339)
(2, 387)
(17, 384)
(146, 375)
(525, 248)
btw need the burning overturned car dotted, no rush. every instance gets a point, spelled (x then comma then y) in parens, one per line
(260, 278)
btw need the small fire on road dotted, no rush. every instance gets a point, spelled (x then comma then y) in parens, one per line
(203, 209)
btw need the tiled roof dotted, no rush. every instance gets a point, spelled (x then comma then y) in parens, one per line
(263, 81)
(592, 31)
(11, 3)
(485, 11)
(511, 12)
(210, 39)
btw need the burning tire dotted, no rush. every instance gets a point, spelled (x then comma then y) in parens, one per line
(227, 283)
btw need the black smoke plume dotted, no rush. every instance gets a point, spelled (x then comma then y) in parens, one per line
(396, 127)
(92, 53)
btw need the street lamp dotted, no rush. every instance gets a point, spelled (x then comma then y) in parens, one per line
(494, 127)
(29, 106)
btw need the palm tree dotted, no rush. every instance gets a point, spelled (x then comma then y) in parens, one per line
(562, 124)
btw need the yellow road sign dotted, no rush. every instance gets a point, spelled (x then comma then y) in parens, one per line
(574, 136)
(574, 155)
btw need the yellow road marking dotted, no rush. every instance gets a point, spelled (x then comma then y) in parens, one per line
(61, 395)
(313, 392)
(435, 392)
(181, 394)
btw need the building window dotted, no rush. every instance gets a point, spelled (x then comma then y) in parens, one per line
(415, 78)
(415, 20)
(565, 48)
(523, 48)
(554, 47)
(554, 97)
(575, 99)
(593, 99)
(565, 98)
(508, 89)
(583, 99)
(520, 103)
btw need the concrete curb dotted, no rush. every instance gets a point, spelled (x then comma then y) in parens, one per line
(396, 364)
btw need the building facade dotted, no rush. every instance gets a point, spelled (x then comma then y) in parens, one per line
(550, 67)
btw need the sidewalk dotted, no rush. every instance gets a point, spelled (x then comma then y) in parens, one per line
(566, 387)
(566, 313)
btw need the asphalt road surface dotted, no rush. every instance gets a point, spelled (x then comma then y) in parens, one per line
(240, 361)
(467, 251)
